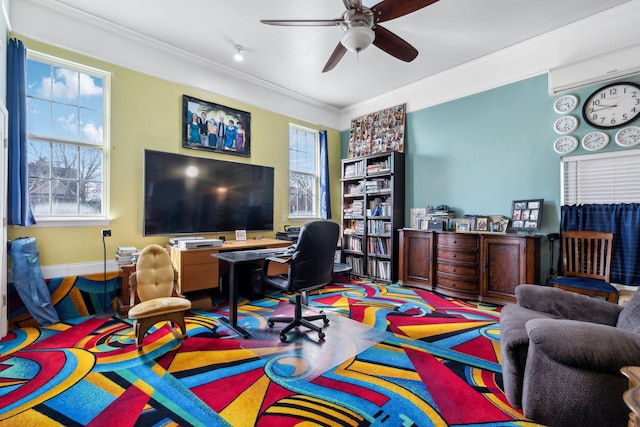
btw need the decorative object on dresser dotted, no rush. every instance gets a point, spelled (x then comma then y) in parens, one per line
(372, 213)
(378, 132)
(526, 215)
(482, 266)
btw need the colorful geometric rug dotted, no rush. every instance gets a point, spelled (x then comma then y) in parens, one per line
(392, 356)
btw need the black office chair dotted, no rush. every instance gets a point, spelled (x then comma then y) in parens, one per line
(310, 267)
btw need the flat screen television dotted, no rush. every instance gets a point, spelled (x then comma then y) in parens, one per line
(195, 195)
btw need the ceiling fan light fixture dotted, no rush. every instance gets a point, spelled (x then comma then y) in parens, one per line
(238, 55)
(357, 38)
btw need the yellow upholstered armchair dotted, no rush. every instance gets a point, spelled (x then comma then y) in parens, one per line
(154, 281)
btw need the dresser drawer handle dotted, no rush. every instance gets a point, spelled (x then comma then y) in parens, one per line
(453, 270)
(453, 256)
(455, 241)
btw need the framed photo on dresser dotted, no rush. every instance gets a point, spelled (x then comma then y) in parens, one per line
(526, 215)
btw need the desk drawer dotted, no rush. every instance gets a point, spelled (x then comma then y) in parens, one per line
(200, 257)
(196, 277)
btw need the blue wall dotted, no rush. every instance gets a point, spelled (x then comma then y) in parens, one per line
(479, 153)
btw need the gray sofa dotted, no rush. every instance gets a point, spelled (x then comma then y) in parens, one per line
(561, 356)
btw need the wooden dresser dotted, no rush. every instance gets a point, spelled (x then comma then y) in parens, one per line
(482, 266)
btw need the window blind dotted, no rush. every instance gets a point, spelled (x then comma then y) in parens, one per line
(612, 177)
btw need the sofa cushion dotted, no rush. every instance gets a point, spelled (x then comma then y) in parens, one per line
(629, 318)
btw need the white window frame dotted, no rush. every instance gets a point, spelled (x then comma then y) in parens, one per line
(316, 175)
(611, 177)
(93, 220)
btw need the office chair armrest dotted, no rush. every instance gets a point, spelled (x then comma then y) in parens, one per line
(278, 260)
(279, 267)
(133, 283)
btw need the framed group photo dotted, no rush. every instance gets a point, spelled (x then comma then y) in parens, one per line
(526, 215)
(213, 127)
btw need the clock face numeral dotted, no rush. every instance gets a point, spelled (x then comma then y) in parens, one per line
(594, 141)
(628, 137)
(566, 144)
(565, 104)
(613, 105)
(565, 124)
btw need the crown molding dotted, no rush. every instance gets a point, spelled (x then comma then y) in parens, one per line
(42, 20)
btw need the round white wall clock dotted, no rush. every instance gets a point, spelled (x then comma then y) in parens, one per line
(565, 104)
(566, 144)
(628, 137)
(594, 141)
(565, 124)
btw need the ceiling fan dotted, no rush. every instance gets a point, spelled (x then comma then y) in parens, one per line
(361, 29)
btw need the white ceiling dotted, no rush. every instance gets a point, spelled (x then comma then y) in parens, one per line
(447, 34)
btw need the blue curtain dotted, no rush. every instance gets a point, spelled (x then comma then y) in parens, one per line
(623, 220)
(325, 198)
(18, 207)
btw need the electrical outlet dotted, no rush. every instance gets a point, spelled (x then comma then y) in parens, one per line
(106, 232)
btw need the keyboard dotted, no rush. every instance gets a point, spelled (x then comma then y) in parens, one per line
(270, 251)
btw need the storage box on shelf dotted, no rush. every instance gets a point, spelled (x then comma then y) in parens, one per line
(372, 213)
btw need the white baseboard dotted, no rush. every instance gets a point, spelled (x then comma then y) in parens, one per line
(80, 269)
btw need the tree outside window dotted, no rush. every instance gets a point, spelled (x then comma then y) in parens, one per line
(66, 113)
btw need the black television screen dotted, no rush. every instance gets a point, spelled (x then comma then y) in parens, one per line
(191, 195)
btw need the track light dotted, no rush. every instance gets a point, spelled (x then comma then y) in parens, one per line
(238, 56)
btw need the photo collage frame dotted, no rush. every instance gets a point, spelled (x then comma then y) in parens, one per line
(526, 215)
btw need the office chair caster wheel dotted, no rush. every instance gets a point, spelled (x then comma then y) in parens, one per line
(270, 324)
(326, 321)
(321, 335)
(283, 338)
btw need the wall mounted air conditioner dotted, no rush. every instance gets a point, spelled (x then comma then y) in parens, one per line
(615, 65)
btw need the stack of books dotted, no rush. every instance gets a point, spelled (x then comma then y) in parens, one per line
(126, 255)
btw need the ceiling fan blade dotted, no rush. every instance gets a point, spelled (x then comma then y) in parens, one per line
(335, 57)
(394, 45)
(391, 9)
(353, 4)
(303, 22)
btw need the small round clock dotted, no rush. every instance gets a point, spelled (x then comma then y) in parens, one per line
(628, 137)
(566, 144)
(613, 105)
(565, 124)
(565, 104)
(594, 141)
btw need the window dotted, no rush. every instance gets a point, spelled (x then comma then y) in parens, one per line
(303, 172)
(612, 177)
(67, 123)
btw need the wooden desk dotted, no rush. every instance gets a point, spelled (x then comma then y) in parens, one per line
(198, 269)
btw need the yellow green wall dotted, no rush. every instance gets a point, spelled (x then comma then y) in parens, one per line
(146, 113)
